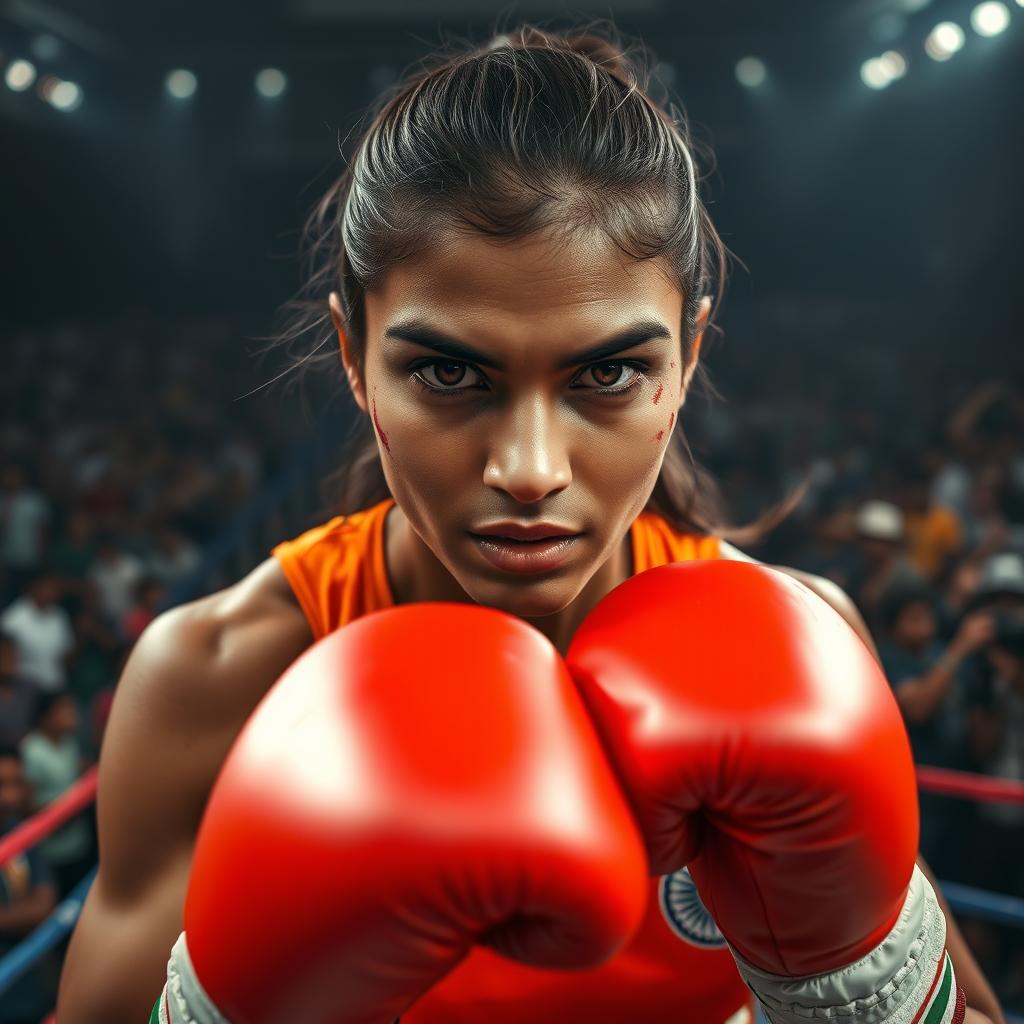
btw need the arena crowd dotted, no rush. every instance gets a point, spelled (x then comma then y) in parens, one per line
(128, 447)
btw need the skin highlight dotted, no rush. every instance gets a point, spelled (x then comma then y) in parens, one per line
(528, 439)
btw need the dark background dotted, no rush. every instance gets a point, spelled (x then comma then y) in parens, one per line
(881, 214)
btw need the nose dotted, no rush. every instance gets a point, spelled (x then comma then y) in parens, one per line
(528, 455)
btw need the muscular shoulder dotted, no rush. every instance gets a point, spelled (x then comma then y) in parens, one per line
(191, 681)
(825, 588)
(224, 649)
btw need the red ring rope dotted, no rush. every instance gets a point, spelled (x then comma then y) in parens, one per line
(50, 818)
(969, 785)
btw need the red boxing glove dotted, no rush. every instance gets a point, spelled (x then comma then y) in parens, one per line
(758, 739)
(424, 779)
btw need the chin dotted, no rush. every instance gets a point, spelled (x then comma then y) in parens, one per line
(529, 599)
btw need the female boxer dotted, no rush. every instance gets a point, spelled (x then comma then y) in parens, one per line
(518, 270)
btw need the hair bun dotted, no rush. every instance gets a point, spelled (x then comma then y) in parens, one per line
(597, 49)
(604, 53)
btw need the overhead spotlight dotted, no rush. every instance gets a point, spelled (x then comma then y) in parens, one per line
(65, 96)
(944, 40)
(751, 72)
(989, 19)
(270, 83)
(873, 74)
(20, 75)
(894, 64)
(181, 84)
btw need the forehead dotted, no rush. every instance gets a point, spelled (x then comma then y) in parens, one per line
(583, 282)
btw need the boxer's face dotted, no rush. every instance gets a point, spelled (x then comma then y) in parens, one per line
(489, 403)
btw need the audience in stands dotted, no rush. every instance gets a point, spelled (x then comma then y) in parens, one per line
(123, 459)
(28, 895)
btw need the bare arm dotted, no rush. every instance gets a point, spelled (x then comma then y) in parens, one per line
(189, 685)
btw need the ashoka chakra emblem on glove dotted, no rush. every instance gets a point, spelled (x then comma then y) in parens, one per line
(686, 915)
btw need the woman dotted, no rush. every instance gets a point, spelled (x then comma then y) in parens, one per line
(518, 270)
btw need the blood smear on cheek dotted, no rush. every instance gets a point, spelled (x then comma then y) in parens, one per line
(380, 429)
(657, 394)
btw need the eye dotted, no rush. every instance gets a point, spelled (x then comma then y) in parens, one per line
(445, 375)
(608, 375)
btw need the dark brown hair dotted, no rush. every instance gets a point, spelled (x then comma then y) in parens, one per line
(534, 132)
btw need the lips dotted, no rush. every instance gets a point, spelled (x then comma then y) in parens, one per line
(524, 532)
(526, 556)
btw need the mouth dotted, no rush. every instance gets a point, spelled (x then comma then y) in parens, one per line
(515, 555)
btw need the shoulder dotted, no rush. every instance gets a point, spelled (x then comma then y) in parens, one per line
(224, 649)
(825, 588)
(190, 683)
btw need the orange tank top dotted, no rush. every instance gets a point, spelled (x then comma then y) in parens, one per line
(677, 967)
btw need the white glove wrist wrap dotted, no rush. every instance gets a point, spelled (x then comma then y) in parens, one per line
(184, 1000)
(907, 971)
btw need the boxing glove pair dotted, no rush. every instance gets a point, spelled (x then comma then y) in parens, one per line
(436, 776)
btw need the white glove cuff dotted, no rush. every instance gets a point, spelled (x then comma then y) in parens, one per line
(909, 969)
(184, 1000)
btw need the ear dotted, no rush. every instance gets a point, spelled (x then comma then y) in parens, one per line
(355, 381)
(703, 312)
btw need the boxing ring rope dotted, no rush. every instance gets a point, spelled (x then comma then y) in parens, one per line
(963, 899)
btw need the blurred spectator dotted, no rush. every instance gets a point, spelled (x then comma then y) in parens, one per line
(996, 721)
(18, 695)
(25, 514)
(932, 531)
(99, 646)
(828, 552)
(28, 895)
(174, 557)
(922, 671)
(150, 595)
(42, 630)
(73, 553)
(882, 562)
(53, 761)
(985, 528)
(923, 674)
(116, 574)
(1001, 583)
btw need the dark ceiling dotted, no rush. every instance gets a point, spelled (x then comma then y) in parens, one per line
(841, 202)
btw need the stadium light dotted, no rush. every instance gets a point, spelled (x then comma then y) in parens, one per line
(878, 72)
(944, 40)
(181, 84)
(894, 64)
(751, 72)
(20, 75)
(989, 19)
(873, 75)
(65, 96)
(270, 83)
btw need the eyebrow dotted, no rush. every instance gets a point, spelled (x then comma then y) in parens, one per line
(420, 333)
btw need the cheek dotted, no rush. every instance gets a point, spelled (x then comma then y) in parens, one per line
(424, 463)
